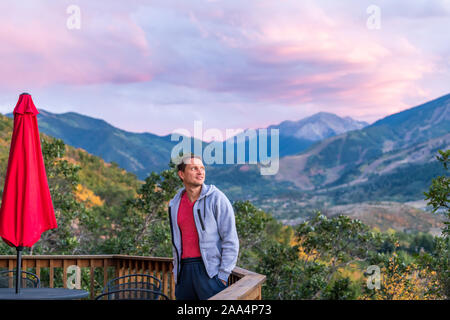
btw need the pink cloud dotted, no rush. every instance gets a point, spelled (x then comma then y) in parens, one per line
(39, 50)
(295, 53)
(331, 62)
(288, 58)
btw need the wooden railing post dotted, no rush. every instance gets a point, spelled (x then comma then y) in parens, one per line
(51, 273)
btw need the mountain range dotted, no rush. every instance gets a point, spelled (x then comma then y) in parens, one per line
(295, 136)
(393, 159)
(142, 153)
(325, 161)
(409, 137)
(139, 153)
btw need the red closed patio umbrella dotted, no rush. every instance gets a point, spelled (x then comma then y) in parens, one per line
(27, 209)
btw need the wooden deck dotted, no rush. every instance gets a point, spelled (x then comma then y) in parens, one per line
(57, 270)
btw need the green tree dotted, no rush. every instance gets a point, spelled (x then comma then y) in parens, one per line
(439, 192)
(143, 228)
(304, 265)
(72, 217)
(438, 199)
(251, 224)
(341, 289)
(337, 242)
(288, 276)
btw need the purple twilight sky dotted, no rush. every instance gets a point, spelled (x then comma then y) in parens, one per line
(155, 66)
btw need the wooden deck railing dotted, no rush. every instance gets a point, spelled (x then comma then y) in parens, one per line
(94, 271)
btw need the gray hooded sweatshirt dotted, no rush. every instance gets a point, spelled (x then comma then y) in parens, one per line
(216, 228)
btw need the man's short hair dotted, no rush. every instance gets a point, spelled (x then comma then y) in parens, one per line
(186, 159)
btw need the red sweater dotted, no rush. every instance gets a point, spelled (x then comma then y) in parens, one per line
(189, 235)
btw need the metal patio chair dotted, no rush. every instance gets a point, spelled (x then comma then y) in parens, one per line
(133, 294)
(28, 279)
(137, 281)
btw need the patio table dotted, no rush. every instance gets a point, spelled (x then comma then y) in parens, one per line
(42, 294)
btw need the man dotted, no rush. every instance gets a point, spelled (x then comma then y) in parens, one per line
(204, 237)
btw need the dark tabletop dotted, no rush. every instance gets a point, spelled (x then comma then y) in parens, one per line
(42, 294)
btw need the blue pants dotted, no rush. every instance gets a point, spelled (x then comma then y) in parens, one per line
(194, 283)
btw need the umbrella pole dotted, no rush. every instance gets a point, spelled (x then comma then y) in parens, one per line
(18, 268)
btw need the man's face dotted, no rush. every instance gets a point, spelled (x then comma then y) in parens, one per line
(194, 173)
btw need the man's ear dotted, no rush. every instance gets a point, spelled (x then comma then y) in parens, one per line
(180, 174)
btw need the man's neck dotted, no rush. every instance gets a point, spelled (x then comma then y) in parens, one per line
(193, 192)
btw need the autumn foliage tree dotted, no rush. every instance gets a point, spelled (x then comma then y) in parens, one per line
(401, 280)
